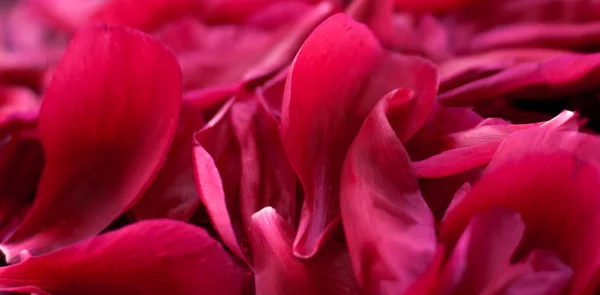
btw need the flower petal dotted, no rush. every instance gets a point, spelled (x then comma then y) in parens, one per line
(19, 107)
(106, 122)
(388, 226)
(173, 193)
(554, 190)
(149, 257)
(328, 95)
(278, 271)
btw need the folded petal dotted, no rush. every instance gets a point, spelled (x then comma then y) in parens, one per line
(328, 95)
(148, 257)
(483, 251)
(555, 191)
(216, 157)
(278, 271)
(389, 228)
(173, 193)
(106, 122)
(267, 178)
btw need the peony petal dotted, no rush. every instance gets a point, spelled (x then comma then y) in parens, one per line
(328, 94)
(554, 190)
(267, 178)
(466, 150)
(149, 257)
(19, 107)
(173, 193)
(148, 15)
(21, 164)
(541, 273)
(217, 176)
(558, 76)
(389, 228)
(278, 271)
(483, 251)
(106, 122)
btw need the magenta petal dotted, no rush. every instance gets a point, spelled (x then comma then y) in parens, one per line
(332, 85)
(173, 193)
(546, 183)
(551, 78)
(378, 16)
(483, 251)
(279, 271)
(19, 107)
(106, 122)
(541, 273)
(267, 178)
(388, 226)
(149, 257)
(216, 173)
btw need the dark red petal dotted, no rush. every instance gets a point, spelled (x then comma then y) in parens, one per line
(148, 15)
(21, 164)
(267, 178)
(106, 122)
(173, 193)
(388, 226)
(483, 252)
(149, 257)
(217, 177)
(278, 271)
(558, 76)
(328, 95)
(550, 178)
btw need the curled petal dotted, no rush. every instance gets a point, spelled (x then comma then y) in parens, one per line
(106, 123)
(388, 226)
(152, 257)
(546, 185)
(328, 94)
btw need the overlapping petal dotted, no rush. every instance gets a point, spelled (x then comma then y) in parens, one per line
(106, 122)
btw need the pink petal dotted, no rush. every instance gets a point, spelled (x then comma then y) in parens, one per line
(466, 150)
(217, 176)
(278, 14)
(389, 228)
(267, 178)
(554, 190)
(148, 15)
(106, 122)
(378, 16)
(173, 193)
(19, 107)
(278, 271)
(149, 257)
(552, 78)
(483, 251)
(231, 11)
(541, 273)
(328, 95)
(427, 5)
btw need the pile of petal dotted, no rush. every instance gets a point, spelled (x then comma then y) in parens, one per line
(298, 147)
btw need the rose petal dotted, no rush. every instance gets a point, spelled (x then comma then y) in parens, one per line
(148, 257)
(554, 190)
(173, 193)
(328, 94)
(106, 122)
(389, 228)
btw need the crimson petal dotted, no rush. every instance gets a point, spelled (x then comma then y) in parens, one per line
(154, 257)
(389, 228)
(106, 122)
(554, 188)
(328, 94)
